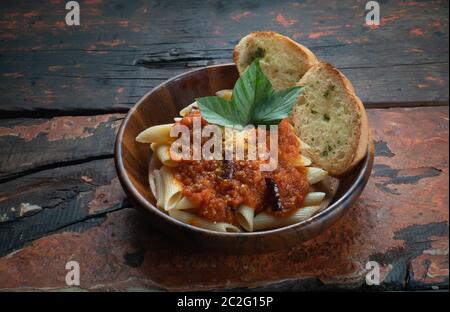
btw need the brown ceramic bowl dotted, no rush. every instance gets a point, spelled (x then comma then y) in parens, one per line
(161, 105)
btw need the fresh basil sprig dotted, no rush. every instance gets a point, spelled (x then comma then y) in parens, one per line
(254, 102)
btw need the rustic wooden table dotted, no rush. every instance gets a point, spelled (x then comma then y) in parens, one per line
(64, 91)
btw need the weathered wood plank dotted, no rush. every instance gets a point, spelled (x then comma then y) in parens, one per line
(401, 221)
(43, 202)
(122, 49)
(35, 144)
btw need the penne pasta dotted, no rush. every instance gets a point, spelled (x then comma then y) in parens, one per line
(183, 204)
(225, 94)
(306, 161)
(305, 213)
(158, 191)
(155, 134)
(195, 220)
(187, 109)
(245, 216)
(303, 145)
(313, 198)
(315, 175)
(171, 188)
(151, 182)
(265, 221)
(162, 151)
(301, 161)
(297, 162)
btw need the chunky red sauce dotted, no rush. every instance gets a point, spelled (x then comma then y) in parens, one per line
(217, 197)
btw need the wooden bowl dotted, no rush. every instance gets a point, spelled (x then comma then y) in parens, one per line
(160, 106)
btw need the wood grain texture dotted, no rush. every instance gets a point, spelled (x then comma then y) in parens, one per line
(60, 199)
(124, 48)
(47, 201)
(401, 221)
(67, 140)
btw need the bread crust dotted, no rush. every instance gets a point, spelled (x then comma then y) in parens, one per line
(359, 147)
(363, 141)
(297, 48)
(364, 138)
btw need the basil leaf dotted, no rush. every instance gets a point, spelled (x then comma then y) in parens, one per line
(254, 101)
(252, 88)
(218, 111)
(276, 107)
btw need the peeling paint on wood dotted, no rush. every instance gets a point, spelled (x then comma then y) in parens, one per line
(60, 198)
(58, 128)
(35, 144)
(283, 21)
(406, 232)
(26, 209)
(107, 196)
(64, 197)
(103, 50)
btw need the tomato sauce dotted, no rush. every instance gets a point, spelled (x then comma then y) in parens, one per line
(216, 196)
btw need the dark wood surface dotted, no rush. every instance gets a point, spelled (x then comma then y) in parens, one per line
(124, 48)
(64, 91)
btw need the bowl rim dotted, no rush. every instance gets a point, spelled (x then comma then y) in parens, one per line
(130, 189)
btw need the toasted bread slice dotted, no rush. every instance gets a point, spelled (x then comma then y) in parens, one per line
(331, 119)
(364, 139)
(283, 60)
